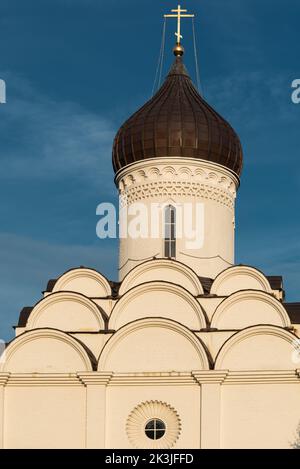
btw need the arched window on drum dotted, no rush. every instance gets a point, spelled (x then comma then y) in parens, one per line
(170, 231)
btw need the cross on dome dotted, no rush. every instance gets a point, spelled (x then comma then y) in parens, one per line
(180, 13)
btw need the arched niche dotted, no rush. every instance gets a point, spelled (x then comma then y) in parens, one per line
(152, 345)
(163, 270)
(89, 282)
(249, 308)
(45, 351)
(158, 299)
(67, 311)
(238, 278)
(258, 348)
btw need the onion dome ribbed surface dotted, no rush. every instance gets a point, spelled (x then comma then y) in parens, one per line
(177, 122)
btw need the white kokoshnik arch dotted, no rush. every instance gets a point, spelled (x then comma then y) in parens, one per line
(89, 282)
(239, 277)
(176, 348)
(164, 270)
(158, 299)
(46, 351)
(258, 348)
(68, 311)
(249, 308)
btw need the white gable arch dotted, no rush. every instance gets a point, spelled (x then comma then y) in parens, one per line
(249, 308)
(258, 348)
(45, 351)
(238, 278)
(151, 345)
(158, 299)
(164, 270)
(89, 282)
(67, 311)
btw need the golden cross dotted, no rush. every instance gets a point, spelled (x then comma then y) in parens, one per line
(179, 15)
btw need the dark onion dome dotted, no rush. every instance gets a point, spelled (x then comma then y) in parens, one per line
(177, 122)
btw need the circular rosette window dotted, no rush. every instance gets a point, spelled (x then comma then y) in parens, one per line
(153, 424)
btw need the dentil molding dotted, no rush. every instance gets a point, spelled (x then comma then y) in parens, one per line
(168, 177)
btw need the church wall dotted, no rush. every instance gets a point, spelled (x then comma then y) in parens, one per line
(259, 415)
(209, 305)
(106, 304)
(122, 400)
(94, 342)
(44, 417)
(213, 257)
(214, 340)
(167, 181)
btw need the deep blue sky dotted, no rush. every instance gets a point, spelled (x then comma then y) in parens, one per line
(75, 69)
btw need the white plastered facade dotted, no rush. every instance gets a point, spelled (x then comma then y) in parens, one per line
(181, 181)
(90, 365)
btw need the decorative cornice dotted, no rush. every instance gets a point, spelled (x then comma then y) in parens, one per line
(210, 377)
(152, 379)
(180, 166)
(4, 377)
(177, 178)
(221, 377)
(55, 379)
(43, 379)
(262, 377)
(95, 378)
(176, 189)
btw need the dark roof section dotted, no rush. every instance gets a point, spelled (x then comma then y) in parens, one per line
(51, 284)
(24, 315)
(115, 287)
(293, 310)
(206, 284)
(177, 122)
(276, 282)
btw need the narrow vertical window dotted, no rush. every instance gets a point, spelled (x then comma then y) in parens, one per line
(170, 231)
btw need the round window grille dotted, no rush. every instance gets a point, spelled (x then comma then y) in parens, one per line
(155, 429)
(153, 424)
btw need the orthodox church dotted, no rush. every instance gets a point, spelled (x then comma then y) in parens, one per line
(187, 349)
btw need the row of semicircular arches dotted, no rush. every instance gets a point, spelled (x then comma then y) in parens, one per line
(74, 312)
(81, 300)
(131, 349)
(97, 285)
(248, 321)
